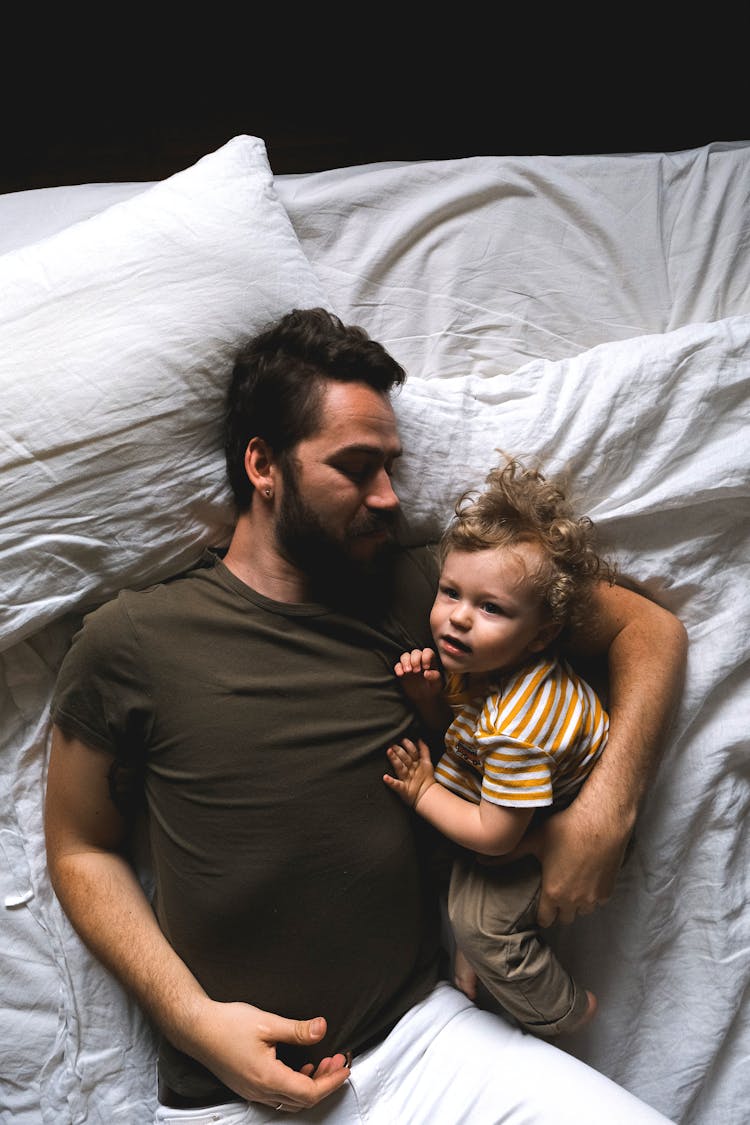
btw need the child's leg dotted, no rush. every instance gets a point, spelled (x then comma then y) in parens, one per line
(493, 914)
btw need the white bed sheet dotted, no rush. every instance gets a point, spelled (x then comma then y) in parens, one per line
(484, 263)
(593, 312)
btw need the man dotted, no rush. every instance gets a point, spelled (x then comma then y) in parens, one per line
(295, 918)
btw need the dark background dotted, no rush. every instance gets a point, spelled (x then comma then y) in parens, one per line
(149, 143)
(139, 101)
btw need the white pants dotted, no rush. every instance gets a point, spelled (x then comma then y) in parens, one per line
(449, 1063)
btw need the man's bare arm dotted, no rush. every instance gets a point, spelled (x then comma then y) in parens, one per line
(101, 895)
(582, 848)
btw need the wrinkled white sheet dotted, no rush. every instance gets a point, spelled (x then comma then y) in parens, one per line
(482, 264)
(593, 312)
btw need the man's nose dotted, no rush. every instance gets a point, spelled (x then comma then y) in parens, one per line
(381, 494)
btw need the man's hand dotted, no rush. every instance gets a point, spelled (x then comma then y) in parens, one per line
(582, 848)
(580, 856)
(237, 1042)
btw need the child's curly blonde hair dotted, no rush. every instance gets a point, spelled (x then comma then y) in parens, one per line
(521, 505)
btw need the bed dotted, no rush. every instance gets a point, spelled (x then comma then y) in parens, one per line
(590, 312)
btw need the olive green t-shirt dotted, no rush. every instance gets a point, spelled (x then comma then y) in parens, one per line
(286, 873)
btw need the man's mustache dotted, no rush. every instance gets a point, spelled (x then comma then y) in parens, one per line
(370, 523)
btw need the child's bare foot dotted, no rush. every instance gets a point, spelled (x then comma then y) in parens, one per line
(587, 1016)
(464, 976)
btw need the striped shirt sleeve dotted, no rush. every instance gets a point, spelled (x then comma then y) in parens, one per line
(530, 744)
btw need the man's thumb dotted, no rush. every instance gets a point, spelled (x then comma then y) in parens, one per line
(309, 1031)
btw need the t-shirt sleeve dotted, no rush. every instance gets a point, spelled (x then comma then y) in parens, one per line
(101, 696)
(515, 773)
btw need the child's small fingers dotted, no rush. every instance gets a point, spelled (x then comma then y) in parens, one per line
(423, 754)
(399, 760)
(412, 661)
(405, 756)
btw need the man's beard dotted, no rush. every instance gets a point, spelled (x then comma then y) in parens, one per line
(334, 574)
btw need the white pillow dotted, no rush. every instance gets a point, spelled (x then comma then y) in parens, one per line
(646, 431)
(117, 336)
(28, 216)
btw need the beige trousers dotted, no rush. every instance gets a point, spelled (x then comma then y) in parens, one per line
(493, 912)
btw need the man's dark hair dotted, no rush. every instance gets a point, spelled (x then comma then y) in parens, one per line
(278, 378)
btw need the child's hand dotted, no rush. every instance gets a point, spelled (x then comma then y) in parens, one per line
(414, 771)
(420, 679)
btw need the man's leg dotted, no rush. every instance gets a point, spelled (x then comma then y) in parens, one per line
(448, 1062)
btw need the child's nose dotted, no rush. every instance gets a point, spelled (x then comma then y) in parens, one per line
(461, 615)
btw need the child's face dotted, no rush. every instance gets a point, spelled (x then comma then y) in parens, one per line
(487, 616)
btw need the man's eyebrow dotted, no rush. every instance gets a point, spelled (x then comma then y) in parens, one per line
(366, 448)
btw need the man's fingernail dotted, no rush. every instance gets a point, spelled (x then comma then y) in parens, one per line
(316, 1026)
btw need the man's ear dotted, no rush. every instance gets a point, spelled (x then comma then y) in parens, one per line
(545, 636)
(259, 464)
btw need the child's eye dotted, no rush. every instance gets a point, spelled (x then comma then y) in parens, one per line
(449, 592)
(491, 607)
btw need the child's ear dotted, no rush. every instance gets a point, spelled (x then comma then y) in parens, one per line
(545, 636)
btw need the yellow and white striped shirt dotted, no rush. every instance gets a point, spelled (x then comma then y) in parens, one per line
(530, 743)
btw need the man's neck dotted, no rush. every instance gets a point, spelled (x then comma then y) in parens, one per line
(254, 559)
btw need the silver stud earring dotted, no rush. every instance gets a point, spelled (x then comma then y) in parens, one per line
(268, 491)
